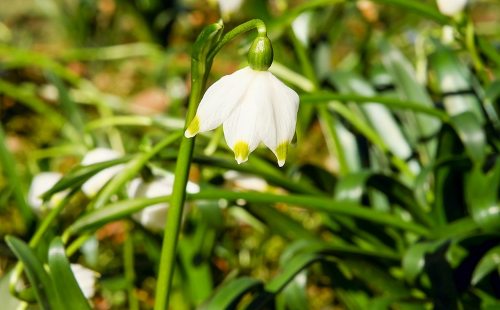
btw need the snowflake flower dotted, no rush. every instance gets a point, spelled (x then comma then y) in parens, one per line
(253, 106)
(451, 7)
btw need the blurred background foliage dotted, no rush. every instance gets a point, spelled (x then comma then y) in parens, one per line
(389, 201)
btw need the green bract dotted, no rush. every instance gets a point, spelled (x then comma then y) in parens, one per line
(260, 55)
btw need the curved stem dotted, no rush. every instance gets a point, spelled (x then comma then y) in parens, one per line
(199, 74)
(249, 25)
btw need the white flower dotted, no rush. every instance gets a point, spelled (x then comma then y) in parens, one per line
(245, 181)
(301, 25)
(95, 183)
(253, 106)
(155, 216)
(85, 278)
(40, 184)
(228, 7)
(451, 7)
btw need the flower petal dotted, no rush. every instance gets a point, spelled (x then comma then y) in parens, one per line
(240, 129)
(219, 101)
(278, 116)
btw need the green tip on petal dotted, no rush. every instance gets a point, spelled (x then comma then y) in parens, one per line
(193, 128)
(281, 151)
(241, 151)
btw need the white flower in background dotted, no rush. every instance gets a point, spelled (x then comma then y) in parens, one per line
(228, 7)
(253, 106)
(451, 7)
(95, 183)
(40, 184)
(245, 181)
(301, 25)
(85, 278)
(155, 216)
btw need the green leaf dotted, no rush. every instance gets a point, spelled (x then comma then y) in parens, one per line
(196, 263)
(9, 169)
(228, 296)
(71, 110)
(131, 170)
(454, 77)
(80, 174)
(292, 268)
(40, 281)
(280, 223)
(296, 293)
(414, 258)
(482, 193)
(100, 217)
(489, 262)
(65, 283)
(472, 135)
(379, 116)
(404, 76)
(332, 249)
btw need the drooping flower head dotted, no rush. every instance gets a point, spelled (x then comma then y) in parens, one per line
(253, 106)
(451, 7)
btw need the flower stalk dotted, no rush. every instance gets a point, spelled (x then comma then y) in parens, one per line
(206, 47)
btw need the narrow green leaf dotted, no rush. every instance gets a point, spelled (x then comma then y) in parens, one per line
(414, 258)
(112, 212)
(324, 97)
(379, 116)
(228, 296)
(9, 169)
(69, 107)
(472, 135)
(131, 170)
(195, 264)
(404, 76)
(280, 223)
(482, 193)
(40, 281)
(124, 208)
(489, 262)
(65, 283)
(296, 293)
(77, 176)
(292, 268)
(454, 77)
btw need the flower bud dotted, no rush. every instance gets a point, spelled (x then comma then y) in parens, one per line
(260, 55)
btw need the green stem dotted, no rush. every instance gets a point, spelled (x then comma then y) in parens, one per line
(172, 228)
(249, 25)
(470, 43)
(128, 262)
(199, 74)
(75, 245)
